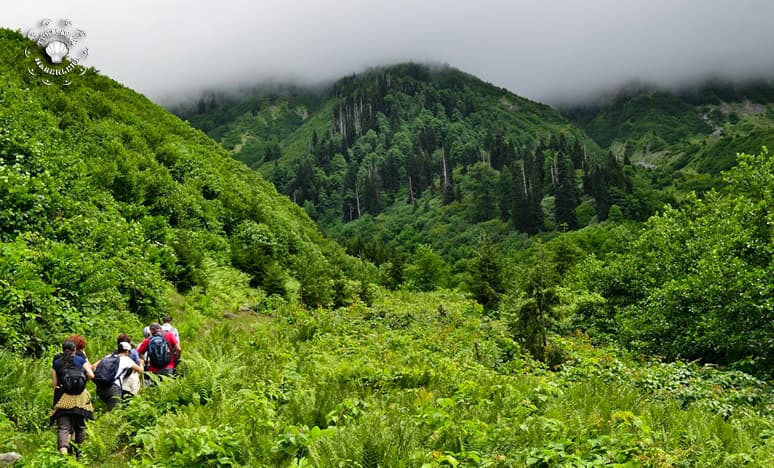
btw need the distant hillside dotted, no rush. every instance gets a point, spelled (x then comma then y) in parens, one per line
(107, 201)
(252, 127)
(413, 154)
(699, 129)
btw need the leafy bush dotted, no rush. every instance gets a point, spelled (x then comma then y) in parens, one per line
(695, 282)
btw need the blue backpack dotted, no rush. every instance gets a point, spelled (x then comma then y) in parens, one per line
(158, 351)
(106, 371)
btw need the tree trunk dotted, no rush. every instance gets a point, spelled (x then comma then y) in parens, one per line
(445, 176)
(357, 200)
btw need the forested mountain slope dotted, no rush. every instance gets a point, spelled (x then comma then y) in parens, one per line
(695, 131)
(106, 200)
(408, 155)
(413, 154)
(439, 178)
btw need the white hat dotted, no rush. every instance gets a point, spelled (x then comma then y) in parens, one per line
(125, 346)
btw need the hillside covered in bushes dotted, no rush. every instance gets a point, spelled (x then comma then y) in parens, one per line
(108, 202)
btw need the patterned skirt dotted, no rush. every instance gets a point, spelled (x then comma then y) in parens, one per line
(72, 405)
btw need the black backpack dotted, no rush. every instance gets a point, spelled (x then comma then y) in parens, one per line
(73, 380)
(158, 351)
(106, 371)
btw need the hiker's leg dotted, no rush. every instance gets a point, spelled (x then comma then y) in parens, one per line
(63, 428)
(115, 397)
(110, 395)
(79, 424)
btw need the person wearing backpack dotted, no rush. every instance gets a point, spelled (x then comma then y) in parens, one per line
(72, 401)
(132, 381)
(110, 371)
(162, 349)
(133, 353)
(169, 328)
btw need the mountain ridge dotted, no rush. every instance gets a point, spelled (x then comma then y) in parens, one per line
(411, 132)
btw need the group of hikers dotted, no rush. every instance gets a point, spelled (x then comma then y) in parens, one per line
(117, 376)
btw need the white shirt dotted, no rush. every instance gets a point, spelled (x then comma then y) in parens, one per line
(167, 327)
(124, 362)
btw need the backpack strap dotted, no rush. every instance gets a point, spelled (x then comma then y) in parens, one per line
(123, 375)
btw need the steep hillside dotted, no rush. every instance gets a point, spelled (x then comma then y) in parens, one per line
(651, 120)
(107, 201)
(252, 127)
(414, 154)
(695, 132)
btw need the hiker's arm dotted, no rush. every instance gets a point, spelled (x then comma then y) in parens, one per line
(137, 368)
(89, 372)
(176, 348)
(54, 380)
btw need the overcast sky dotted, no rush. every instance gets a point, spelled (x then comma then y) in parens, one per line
(548, 50)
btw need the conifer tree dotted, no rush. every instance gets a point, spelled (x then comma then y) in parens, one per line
(486, 275)
(566, 194)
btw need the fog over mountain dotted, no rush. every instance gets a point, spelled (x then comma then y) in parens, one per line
(555, 51)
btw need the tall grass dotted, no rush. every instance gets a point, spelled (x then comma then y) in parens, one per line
(400, 383)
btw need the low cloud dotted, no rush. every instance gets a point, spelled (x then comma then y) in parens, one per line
(553, 51)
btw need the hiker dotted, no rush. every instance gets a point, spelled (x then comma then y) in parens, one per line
(80, 350)
(123, 337)
(72, 401)
(169, 328)
(162, 351)
(80, 345)
(132, 382)
(110, 372)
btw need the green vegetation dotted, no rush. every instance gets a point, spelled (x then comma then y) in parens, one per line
(412, 154)
(652, 120)
(413, 380)
(697, 283)
(523, 307)
(252, 128)
(695, 132)
(107, 202)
